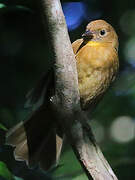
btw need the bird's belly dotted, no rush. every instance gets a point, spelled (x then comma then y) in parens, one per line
(92, 84)
(96, 68)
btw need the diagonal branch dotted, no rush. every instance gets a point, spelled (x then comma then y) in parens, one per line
(67, 100)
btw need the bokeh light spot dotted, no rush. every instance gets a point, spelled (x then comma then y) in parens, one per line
(73, 12)
(123, 129)
(129, 51)
(127, 22)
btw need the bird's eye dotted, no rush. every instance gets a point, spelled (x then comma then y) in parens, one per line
(102, 32)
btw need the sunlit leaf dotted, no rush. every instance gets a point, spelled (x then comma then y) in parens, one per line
(2, 5)
(3, 127)
(23, 8)
(17, 178)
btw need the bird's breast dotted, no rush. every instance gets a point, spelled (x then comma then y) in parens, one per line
(96, 68)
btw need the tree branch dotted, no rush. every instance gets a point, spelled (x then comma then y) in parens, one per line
(67, 100)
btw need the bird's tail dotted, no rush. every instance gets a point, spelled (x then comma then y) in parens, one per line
(17, 138)
(35, 139)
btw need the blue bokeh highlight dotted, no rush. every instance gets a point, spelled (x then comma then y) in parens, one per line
(74, 12)
(77, 12)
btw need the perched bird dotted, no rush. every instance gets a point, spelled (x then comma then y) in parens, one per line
(37, 139)
(97, 61)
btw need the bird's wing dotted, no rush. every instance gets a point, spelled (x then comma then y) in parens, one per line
(39, 94)
(36, 139)
(77, 45)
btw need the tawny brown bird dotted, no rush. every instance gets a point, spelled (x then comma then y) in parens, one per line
(97, 62)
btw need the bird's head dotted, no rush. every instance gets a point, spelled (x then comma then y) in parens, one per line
(101, 31)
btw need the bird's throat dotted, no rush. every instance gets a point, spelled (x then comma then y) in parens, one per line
(93, 43)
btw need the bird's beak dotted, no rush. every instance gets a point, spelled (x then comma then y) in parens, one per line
(88, 35)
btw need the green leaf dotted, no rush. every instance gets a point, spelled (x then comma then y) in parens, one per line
(23, 8)
(17, 178)
(4, 172)
(3, 127)
(2, 5)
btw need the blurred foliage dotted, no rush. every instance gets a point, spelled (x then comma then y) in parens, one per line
(4, 172)
(25, 54)
(3, 127)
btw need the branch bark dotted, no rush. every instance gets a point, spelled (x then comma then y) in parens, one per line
(67, 100)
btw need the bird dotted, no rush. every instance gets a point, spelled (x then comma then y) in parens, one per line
(38, 139)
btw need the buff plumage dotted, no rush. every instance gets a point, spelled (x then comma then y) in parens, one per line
(97, 61)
